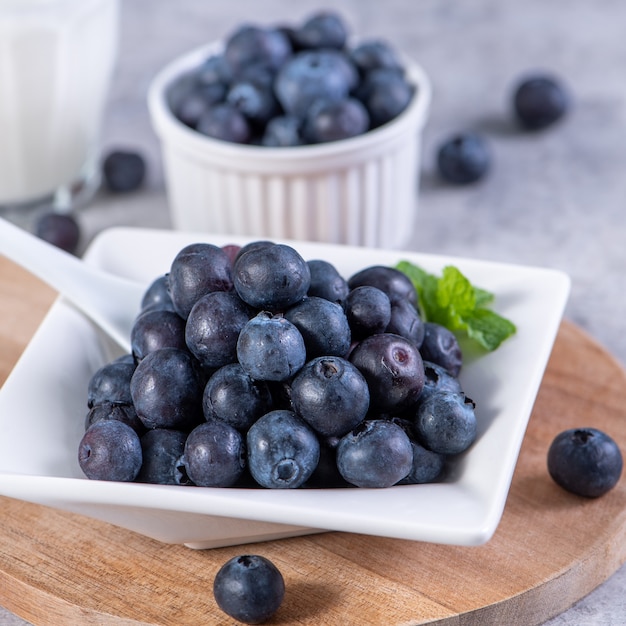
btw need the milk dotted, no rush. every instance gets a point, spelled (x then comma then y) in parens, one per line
(56, 61)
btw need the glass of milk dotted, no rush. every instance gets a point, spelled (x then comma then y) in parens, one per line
(56, 62)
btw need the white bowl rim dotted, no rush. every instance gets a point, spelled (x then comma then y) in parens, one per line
(169, 128)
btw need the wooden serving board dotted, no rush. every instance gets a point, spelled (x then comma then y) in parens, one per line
(550, 549)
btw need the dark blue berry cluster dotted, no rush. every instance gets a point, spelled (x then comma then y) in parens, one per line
(280, 86)
(251, 366)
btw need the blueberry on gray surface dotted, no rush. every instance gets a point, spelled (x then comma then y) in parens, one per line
(323, 326)
(111, 383)
(166, 390)
(540, 101)
(110, 450)
(326, 281)
(376, 454)
(271, 277)
(213, 327)
(396, 284)
(331, 395)
(249, 588)
(463, 159)
(368, 311)
(215, 454)
(155, 329)
(445, 422)
(441, 346)
(334, 120)
(162, 449)
(123, 170)
(234, 397)
(325, 29)
(283, 451)
(393, 369)
(196, 270)
(59, 229)
(271, 348)
(585, 461)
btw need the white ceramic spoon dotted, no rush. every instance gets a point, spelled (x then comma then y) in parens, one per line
(110, 301)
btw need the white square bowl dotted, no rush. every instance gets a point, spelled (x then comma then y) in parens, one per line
(43, 406)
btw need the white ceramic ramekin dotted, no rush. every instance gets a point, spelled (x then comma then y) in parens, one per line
(358, 191)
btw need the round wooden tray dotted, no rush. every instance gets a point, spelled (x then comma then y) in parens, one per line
(550, 549)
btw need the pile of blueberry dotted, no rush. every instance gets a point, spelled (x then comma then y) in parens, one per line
(251, 367)
(293, 85)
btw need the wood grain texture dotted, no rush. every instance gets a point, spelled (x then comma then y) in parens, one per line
(550, 549)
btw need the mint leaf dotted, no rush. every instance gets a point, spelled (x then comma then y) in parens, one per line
(488, 328)
(452, 301)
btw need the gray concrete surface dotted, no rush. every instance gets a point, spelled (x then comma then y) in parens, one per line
(555, 199)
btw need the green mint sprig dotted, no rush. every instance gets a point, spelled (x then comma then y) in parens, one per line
(452, 301)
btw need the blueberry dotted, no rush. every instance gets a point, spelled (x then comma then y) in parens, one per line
(234, 397)
(110, 450)
(271, 277)
(405, 321)
(463, 158)
(314, 75)
(224, 121)
(335, 120)
(396, 284)
(254, 100)
(326, 475)
(270, 347)
(441, 346)
(282, 131)
(385, 94)
(326, 281)
(368, 311)
(427, 465)
(157, 328)
(445, 422)
(325, 29)
(190, 100)
(166, 389)
(585, 461)
(323, 326)
(123, 170)
(393, 368)
(249, 588)
(59, 229)
(196, 270)
(331, 395)
(162, 450)
(376, 454)
(437, 378)
(111, 383)
(115, 411)
(213, 327)
(215, 454)
(157, 295)
(253, 45)
(540, 101)
(283, 450)
(375, 54)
